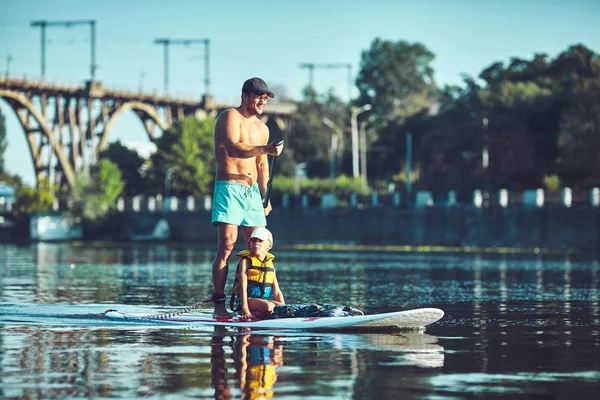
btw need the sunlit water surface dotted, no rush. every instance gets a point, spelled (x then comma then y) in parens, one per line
(526, 326)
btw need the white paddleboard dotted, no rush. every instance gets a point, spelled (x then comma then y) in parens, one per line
(409, 319)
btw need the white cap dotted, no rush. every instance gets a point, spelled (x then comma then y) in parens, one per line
(262, 234)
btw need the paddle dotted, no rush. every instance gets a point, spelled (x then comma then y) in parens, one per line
(270, 182)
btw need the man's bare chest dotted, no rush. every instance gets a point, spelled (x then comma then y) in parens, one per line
(250, 133)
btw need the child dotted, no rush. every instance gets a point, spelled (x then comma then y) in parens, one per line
(256, 290)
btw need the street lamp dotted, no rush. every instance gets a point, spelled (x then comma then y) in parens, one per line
(485, 161)
(167, 200)
(334, 145)
(362, 134)
(485, 157)
(300, 170)
(355, 112)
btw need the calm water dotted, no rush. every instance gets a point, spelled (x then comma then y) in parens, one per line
(522, 327)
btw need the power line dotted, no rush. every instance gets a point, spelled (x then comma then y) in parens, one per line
(68, 24)
(186, 42)
(311, 73)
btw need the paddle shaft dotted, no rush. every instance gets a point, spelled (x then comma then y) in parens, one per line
(270, 182)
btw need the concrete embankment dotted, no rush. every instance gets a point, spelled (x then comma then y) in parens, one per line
(558, 228)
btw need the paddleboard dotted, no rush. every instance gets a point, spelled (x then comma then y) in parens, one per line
(408, 319)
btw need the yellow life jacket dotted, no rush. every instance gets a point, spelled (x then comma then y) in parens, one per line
(260, 277)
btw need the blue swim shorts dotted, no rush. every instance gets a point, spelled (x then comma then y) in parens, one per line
(237, 204)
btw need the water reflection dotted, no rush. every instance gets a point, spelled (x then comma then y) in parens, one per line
(255, 358)
(408, 349)
(319, 363)
(534, 319)
(536, 384)
(201, 363)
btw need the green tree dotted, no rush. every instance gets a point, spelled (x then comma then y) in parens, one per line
(500, 117)
(95, 195)
(13, 180)
(186, 152)
(579, 135)
(131, 165)
(3, 141)
(396, 78)
(542, 119)
(37, 199)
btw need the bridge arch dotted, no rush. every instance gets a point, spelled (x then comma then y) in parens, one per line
(147, 113)
(67, 126)
(24, 109)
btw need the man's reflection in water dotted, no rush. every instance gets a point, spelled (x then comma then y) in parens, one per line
(255, 359)
(218, 371)
(257, 356)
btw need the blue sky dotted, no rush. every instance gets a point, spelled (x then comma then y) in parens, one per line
(269, 38)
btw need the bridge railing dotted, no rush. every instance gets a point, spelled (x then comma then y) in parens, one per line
(422, 199)
(97, 89)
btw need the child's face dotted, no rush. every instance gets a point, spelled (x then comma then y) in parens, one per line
(259, 246)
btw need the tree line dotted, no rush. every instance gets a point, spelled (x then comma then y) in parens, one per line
(535, 122)
(520, 124)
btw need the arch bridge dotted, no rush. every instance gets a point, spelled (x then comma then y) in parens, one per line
(68, 126)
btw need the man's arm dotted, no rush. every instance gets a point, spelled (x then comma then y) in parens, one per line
(262, 169)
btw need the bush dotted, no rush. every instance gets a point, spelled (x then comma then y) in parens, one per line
(342, 186)
(38, 199)
(95, 195)
(552, 183)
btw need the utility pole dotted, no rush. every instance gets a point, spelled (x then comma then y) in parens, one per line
(311, 73)
(142, 76)
(409, 163)
(165, 42)
(186, 42)
(8, 60)
(68, 24)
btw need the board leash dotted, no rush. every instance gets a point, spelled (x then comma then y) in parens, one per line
(166, 315)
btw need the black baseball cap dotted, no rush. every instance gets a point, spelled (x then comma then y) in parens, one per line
(257, 86)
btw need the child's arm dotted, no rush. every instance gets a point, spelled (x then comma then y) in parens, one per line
(277, 293)
(243, 279)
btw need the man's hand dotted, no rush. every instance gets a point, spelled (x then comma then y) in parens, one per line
(268, 208)
(274, 148)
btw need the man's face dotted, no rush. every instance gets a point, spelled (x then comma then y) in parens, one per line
(257, 102)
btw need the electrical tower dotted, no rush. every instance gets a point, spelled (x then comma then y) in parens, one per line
(68, 24)
(186, 42)
(311, 73)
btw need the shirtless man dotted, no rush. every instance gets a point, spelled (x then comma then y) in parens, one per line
(241, 151)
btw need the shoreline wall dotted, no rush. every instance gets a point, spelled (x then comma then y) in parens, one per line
(520, 227)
